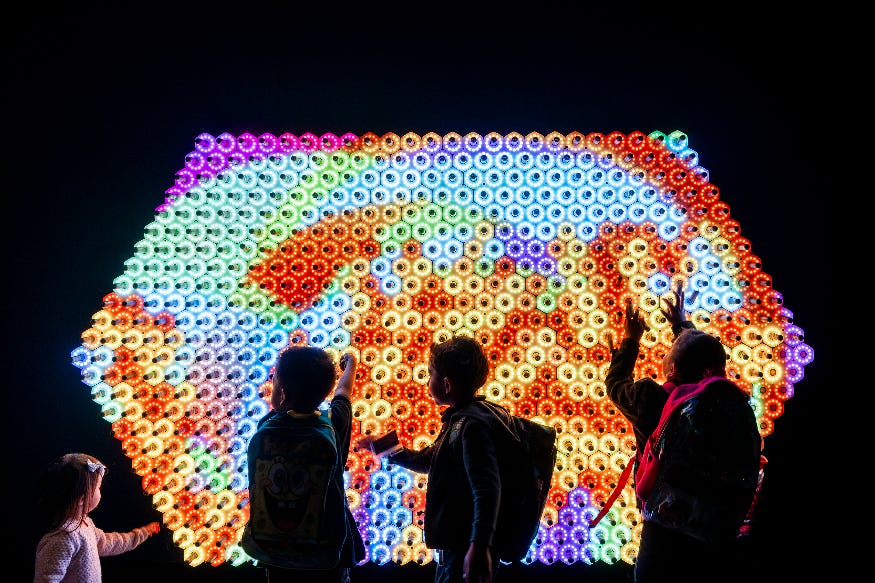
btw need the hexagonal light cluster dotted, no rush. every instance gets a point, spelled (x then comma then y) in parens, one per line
(385, 244)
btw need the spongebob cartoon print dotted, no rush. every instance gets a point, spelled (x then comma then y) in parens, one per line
(295, 475)
(297, 502)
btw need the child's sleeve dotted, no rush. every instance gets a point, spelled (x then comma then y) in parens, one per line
(116, 543)
(340, 414)
(418, 461)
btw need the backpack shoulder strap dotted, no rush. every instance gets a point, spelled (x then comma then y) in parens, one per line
(621, 483)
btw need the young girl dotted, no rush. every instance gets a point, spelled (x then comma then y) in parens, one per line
(72, 546)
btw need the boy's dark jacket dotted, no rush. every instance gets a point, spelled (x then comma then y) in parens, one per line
(450, 507)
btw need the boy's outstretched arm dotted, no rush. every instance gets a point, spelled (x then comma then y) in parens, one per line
(344, 384)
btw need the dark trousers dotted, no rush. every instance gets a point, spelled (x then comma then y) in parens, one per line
(450, 565)
(278, 575)
(665, 555)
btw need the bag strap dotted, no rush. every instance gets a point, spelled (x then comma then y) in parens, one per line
(621, 483)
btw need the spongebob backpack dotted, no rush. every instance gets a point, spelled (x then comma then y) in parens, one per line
(297, 511)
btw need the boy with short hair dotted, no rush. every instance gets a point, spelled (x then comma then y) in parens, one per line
(303, 379)
(464, 486)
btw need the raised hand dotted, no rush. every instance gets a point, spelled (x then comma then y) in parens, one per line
(347, 365)
(346, 359)
(636, 325)
(674, 312)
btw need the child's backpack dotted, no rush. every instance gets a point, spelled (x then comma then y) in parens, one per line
(702, 466)
(526, 456)
(297, 512)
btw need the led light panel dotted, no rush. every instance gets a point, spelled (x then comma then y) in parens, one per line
(382, 245)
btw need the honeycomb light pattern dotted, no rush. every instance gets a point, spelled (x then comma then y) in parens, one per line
(382, 245)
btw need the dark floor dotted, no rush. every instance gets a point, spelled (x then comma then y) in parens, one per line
(123, 572)
(768, 563)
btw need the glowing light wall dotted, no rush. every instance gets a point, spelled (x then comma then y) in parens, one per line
(384, 244)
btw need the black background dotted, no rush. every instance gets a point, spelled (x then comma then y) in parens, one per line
(101, 109)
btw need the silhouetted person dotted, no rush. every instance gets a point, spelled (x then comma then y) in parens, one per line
(296, 476)
(681, 540)
(464, 486)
